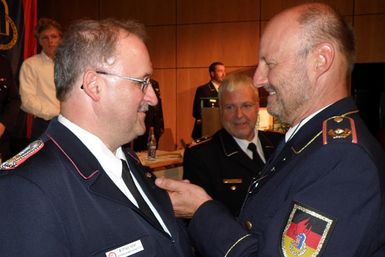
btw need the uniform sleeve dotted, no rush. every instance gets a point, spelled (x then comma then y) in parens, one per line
(29, 226)
(216, 233)
(28, 89)
(336, 183)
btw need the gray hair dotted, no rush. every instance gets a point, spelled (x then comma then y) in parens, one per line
(234, 81)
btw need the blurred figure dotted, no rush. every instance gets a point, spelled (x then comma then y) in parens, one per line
(37, 88)
(76, 191)
(9, 107)
(225, 164)
(217, 74)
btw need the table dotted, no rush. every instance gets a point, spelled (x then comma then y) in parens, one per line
(167, 164)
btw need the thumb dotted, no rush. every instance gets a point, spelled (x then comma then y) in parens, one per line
(166, 183)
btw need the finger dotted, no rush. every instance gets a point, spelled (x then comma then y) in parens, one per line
(168, 184)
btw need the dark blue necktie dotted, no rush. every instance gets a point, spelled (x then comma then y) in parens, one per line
(143, 206)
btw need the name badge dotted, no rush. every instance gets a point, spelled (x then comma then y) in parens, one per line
(232, 181)
(126, 250)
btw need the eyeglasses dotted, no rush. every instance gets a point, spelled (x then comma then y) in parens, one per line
(142, 82)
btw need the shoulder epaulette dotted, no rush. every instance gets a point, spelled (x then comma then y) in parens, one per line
(339, 128)
(21, 157)
(200, 141)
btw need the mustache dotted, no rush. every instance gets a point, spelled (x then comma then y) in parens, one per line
(143, 108)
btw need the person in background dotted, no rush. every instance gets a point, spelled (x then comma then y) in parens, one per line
(323, 192)
(9, 108)
(154, 118)
(37, 89)
(75, 191)
(217, 73)
(225, 164)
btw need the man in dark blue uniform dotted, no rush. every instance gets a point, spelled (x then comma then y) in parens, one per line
(75, 191)
(9, 107)
(323, 191)
(225, 164)
(209, 90)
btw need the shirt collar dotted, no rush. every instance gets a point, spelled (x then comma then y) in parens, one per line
(293, 130)
(109, 161)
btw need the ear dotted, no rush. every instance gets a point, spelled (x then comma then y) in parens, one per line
(323, 56)
(92, 85)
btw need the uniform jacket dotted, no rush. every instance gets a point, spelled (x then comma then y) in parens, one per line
(206, 90)
(323, 196)
(60, 202)
(9, 106)
(223, 169)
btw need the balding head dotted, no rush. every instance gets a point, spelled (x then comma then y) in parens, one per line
(305, 55)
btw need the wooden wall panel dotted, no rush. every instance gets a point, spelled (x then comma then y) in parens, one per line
(370, 35)
(369, 6)
(167, 85)
(235, 44)
(67, 11)
(269, 8)
(203, 11)
(187, 82)
(162, 46)
(149, 12)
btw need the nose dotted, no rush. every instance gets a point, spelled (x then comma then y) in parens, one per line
(150, 96)
(239, 112)
(260, 77)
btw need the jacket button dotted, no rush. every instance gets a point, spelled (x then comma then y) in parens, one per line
(249, 225)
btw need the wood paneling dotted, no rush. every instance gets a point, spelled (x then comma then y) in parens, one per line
(270, 8)
(67, 11)
(167, 85)
(370, 35)
(203, 11)
(149, 12)
(235, 44)
(162, 46)
(187, 82)
(369, 6)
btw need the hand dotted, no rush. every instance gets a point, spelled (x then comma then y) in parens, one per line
(186, 198)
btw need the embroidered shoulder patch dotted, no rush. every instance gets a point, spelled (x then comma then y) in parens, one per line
(306, 232)
(21, 157)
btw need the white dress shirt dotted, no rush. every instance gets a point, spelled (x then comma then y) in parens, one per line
(243, 144)
(37, 87)
(110, 162)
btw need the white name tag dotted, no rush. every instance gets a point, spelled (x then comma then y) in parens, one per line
(126, 250)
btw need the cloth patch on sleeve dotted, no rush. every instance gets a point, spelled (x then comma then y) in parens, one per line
(306, 232)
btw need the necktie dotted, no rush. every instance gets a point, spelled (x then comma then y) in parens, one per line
(143, 206)
(253, 148)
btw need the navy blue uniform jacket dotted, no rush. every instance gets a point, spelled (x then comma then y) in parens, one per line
(223, 169)
(324, 196)
(60, 202)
